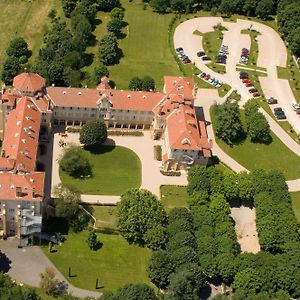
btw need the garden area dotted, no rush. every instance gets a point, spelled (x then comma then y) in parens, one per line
(258, 155)
(115, 264)
(173, 196)
(115, 169)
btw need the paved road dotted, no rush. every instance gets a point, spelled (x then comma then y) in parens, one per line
(268, 39)
(29, 262)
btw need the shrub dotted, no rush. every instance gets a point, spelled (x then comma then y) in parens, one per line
(93, 133)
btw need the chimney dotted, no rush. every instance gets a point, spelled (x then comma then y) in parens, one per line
(18, 192)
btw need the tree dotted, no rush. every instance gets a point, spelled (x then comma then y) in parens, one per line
(177, 6)
(259, 128)
(18, 47)
(31, 294)
(74, 162)
(68, 7)
(160, 6)
(11, 68)
(249, 7)
(100, 71)
(92, 241)
(248, 279)
(48, 281)
(82, 31)
(138, 211)
(115, 26)
(156, 237)
(228, 122)
(108, 5)
(117, 13)
(160, 268)
(294, 41)
(184, 255)
(108, 49)
(67, 206)
(148, 84)
(181, 239)
(93, 133)
(228, 7)
(264, 8)
(135, 292)
(135, 84)
(187, 283)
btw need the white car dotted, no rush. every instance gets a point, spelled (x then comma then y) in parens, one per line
(296, 106)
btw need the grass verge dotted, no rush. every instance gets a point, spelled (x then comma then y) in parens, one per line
(173, 196)
(296, 204)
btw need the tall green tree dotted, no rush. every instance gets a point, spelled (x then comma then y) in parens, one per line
(18, 47)
(93, 133)
(108, 49)
(139, 211)
(11, 68)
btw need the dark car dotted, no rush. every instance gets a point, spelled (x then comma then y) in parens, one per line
(200, 53)
(249, 84)
(186, 61)
(257, 94)
(206, 58)
(278, 110)
(244, 76)
(221, 61)
(222, 56)
(202, 75)
(179, 49)
(252, 90)
(243, 73)
(281, 117)
(272, 100)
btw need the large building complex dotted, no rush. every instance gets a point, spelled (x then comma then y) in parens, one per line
(29, 109)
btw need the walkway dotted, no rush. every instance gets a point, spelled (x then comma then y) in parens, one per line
(29, 262)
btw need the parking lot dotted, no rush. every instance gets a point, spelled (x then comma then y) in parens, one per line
(237, 44)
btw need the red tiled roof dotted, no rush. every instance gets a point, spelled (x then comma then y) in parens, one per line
(29, 82)
(27, 182)
(21, 135)
(180, 86)
(77, 97)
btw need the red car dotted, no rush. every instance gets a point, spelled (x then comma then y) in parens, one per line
(246, 81)
(257, 94)
(249, 84)
(207, 77)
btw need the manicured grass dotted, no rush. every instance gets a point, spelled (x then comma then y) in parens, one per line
(145, 48)
(26, 19)
(105, 215)
(212, 42)
(115, 170)
(217, 67)
(260, 156)
(296, 204)
(173, 196)
(115, 264)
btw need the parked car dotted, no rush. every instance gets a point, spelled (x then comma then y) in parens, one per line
(281, 117)
(200, 53)
(243, 73)
(207, 77)
(202, 75)
(257, 94)
(204, 58)
(246, 81)
(179, 49)
(186, 61)
(295, 106)
(249, 84)
(253, 90)
(243, 76)
(211, 79)
(271, 100)
(277, 110)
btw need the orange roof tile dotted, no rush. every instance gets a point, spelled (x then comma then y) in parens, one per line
(180, 86)
(29, 82)
(26, 182)
(129, 100)
(21, 136)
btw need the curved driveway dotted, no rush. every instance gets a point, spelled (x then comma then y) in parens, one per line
(272, 53)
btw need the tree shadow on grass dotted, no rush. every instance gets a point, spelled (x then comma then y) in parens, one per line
(54, 225)
(101, 149)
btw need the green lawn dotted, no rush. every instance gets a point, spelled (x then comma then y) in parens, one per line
(145, 48)
(212, 42)
(24, 18)
(115, 170)
(115, 264)
(105, 215)
(296, 204)
(273, 156)
(173, 196)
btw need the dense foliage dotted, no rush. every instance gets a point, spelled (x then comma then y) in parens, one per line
(142, 84)
(227, 122)
(93, 133)
(139, 212)
(109, 51)
(273, 272)
(258, 127)
(17, 56)
(74, 162)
